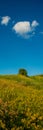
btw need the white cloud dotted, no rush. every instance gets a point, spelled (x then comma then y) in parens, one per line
(22, 27)
(5, 20)
(34, 24)
(25, 28)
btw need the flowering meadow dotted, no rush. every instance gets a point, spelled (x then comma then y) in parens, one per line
(21, 102)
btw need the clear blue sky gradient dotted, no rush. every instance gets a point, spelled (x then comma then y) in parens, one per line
(17, 52)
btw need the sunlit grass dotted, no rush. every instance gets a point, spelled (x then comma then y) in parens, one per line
(21, 102)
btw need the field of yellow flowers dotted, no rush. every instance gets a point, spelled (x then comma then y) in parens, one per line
(21, 102)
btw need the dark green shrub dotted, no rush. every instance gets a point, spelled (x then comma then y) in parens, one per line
(23, 72)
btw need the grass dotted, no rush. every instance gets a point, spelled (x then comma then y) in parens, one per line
(21, 102)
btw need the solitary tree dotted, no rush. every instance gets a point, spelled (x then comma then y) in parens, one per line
(23, 72)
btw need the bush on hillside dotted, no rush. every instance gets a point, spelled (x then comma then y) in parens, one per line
(23, 72)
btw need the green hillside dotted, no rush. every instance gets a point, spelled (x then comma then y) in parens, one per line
(21, 102)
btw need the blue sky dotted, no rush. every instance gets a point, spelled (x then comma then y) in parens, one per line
(21, 36)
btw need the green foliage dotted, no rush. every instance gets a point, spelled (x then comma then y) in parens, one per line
(23, 72)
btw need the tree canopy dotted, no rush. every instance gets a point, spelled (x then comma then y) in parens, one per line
(23, 72)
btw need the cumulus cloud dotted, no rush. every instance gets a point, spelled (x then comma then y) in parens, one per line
(22, 27)
(5, 20)
(34, 24)
(25, 28)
